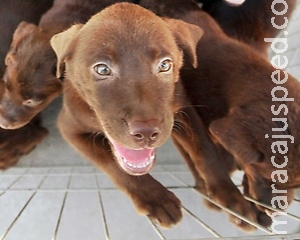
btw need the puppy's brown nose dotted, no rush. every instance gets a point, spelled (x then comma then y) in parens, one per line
(145, 131)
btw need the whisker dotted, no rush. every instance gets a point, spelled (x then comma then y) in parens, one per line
(92, 138)
(181, 125)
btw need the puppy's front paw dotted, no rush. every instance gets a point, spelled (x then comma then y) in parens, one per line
(160, 205)
(16, 143)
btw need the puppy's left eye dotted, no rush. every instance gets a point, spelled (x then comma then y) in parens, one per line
(165, 65)
(31, 103)
(102, 69)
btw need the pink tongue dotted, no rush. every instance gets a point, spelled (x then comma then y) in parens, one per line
(134, 156)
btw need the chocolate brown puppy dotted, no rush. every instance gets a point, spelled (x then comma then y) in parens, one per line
(30, 81)
(11, 14)
(121, 93)
(16, 143)
(249, 107)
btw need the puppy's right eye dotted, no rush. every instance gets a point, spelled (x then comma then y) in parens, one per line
(102, 70)
(165, 65)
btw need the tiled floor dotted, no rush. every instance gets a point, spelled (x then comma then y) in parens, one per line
(79, 202)
(54, 194)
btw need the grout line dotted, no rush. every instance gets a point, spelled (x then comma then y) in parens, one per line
(99, 190)
(74, 174)
(17, 217)
(231, 212)
(273, 209)
(62, 208)
(59, 217)
(107, 235)
(185, 185)
(17, 179)
(156, 229)
(41, 183)
(237, 215)
(198, 220)
(177, 179)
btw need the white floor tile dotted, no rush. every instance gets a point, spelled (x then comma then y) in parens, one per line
(39, 219)
(81, 217)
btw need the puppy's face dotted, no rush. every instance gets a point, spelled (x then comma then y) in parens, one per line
(126, 68)
(29, 82)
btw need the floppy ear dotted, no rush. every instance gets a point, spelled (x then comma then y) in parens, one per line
(23, 30)
(187, 36)
(233, 136)
(61, 44)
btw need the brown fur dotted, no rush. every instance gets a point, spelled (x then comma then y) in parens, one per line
(232, 91)
(250, 22)
(11, 14)
(15, 143)
(30, 78)
(131, 104)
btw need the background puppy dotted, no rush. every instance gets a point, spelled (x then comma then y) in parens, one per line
(121, 71)
(11, 14)
(240, 108)
(251, 22)
(30, 78)
(14, 144)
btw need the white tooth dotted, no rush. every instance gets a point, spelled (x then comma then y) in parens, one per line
(139, 166)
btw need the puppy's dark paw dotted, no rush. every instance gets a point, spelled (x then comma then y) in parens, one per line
(16, 143)
(262, 218)
(160, 205)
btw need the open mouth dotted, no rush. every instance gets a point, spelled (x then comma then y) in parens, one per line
(134, 162)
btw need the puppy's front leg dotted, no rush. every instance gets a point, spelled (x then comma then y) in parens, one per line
(18, 142)
(148, 195)
(207, 167)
